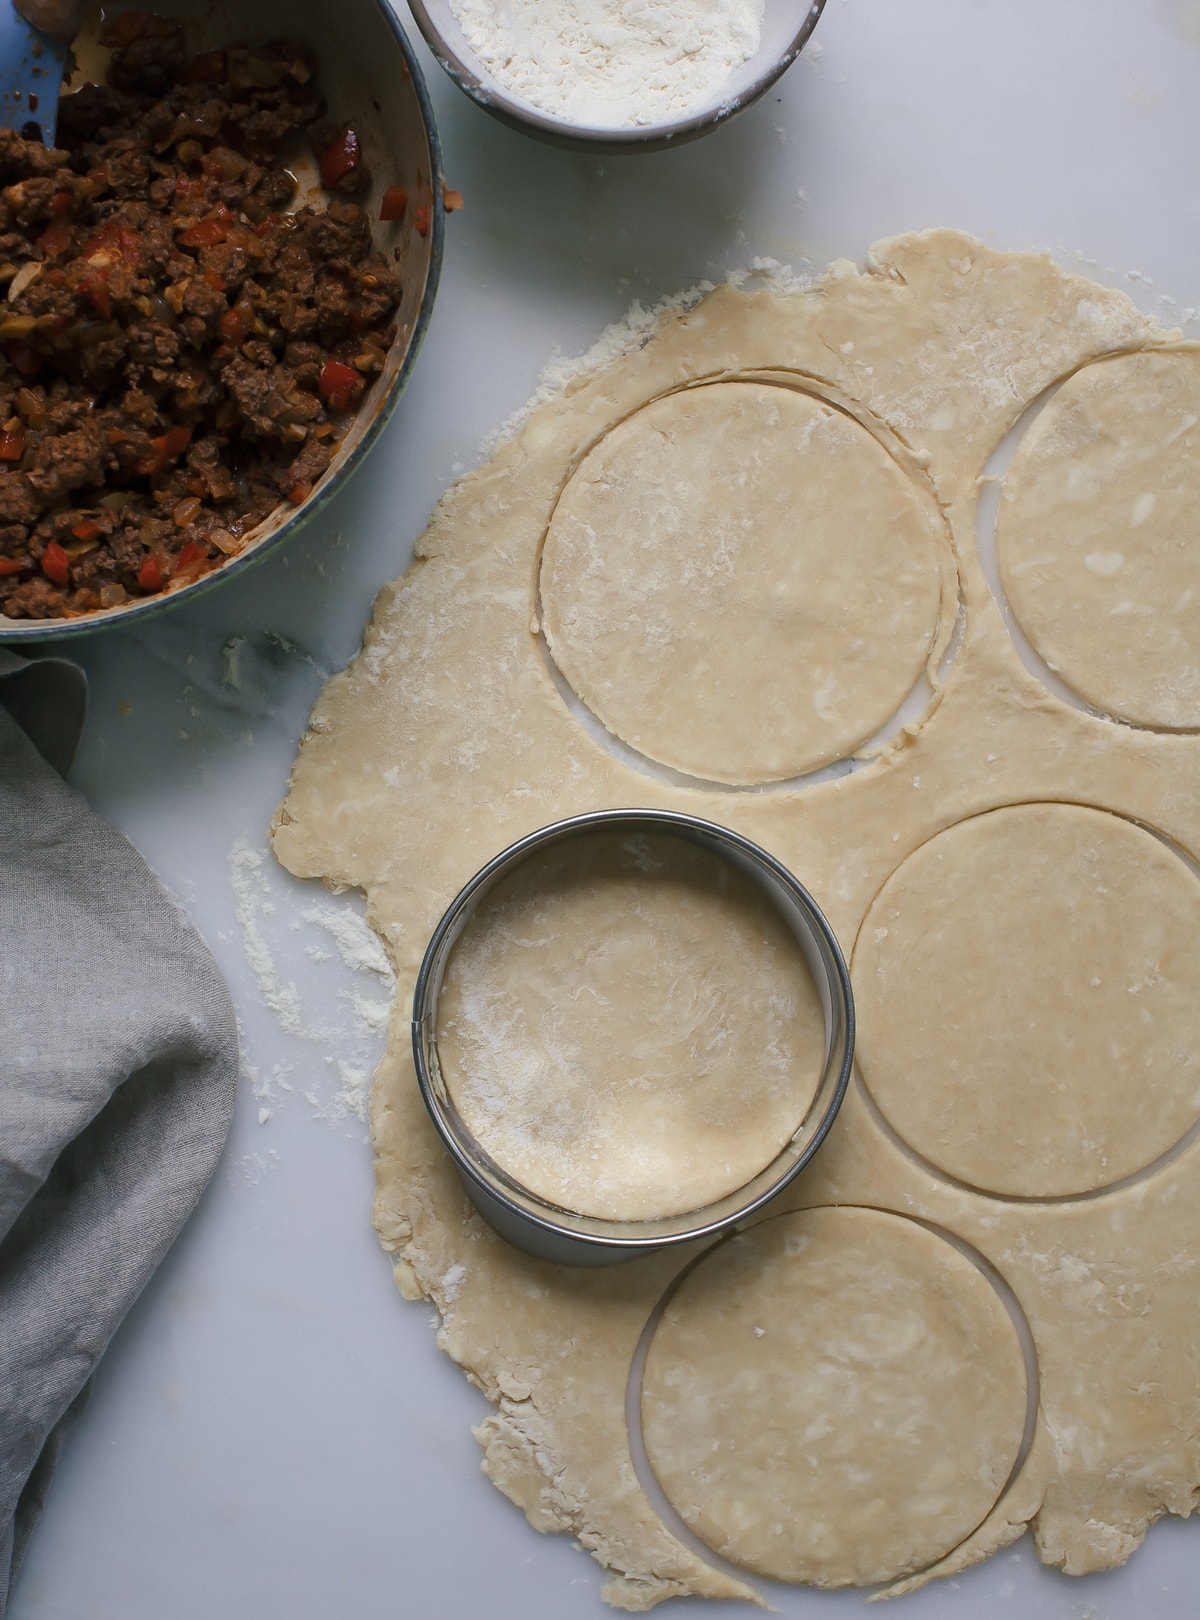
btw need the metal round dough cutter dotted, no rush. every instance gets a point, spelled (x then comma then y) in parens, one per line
(560, 1235)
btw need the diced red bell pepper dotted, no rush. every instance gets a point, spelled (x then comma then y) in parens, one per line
(188, 186)
(206, 233)
(337, 160)
(86, 530)
(150, 576)
(56, 239)
(167, 447)
(393, 203)
(12, 565)
(235, 324)
(62, 202)
(119, 241)
(340, 385)
(174, 442)
(12, 445)
(95, 290)
(55, 564)
(24, 356)
(192, 559)
(210, 230)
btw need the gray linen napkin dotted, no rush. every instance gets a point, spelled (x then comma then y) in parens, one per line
(118, 1069)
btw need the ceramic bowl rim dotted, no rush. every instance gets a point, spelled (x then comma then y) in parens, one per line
(584, 138)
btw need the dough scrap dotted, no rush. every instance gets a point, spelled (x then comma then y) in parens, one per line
(740, 582)
(1057, 950)
(815, 1405)
(1098, 536)
(629, 1027)
(447, 739)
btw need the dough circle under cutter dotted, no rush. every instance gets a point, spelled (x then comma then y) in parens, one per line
(543, 1228)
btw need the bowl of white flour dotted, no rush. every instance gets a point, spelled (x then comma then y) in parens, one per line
(615, 75)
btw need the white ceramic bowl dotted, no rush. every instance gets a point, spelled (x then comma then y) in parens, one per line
(786, 27)
(370, 77)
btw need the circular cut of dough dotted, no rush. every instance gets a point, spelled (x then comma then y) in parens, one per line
(834, 1397)
(1026, 986)
(1098, 537)
(740, 582)
(629, 1028)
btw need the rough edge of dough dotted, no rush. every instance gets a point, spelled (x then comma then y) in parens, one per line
(517, 1465)
(563, 374)
(517, 1459)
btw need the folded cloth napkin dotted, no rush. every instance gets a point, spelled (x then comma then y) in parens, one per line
(118, 1068)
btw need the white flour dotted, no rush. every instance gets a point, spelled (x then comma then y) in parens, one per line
(335, 1081)
(612, 64)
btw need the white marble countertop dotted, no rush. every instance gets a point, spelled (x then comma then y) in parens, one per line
(274, 1433)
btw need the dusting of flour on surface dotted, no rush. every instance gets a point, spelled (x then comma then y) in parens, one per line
(612, 64)
(562, 374)
(326, 1064)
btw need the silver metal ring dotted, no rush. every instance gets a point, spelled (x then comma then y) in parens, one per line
(558, 1234)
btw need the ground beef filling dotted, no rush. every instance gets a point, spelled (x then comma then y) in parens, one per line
(178, 354)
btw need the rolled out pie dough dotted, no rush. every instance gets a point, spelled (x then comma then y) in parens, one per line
(1098, 536)
(629, 1027)
(740, 582)
(448, 738)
